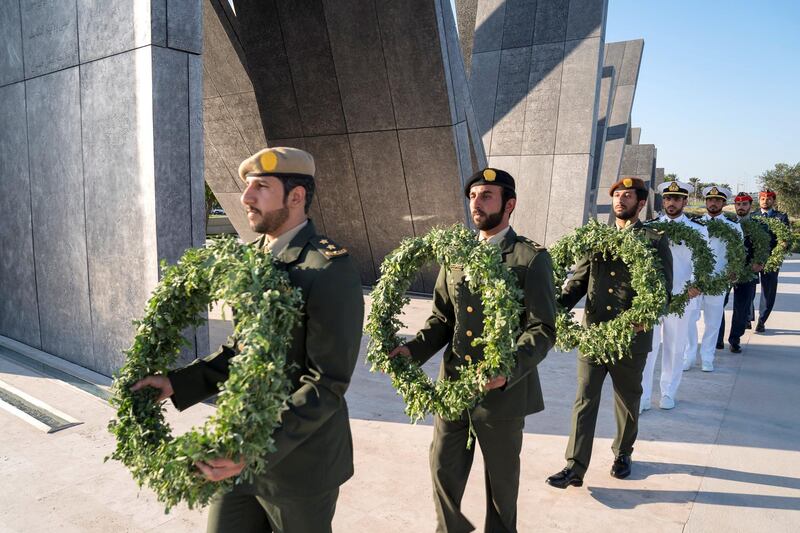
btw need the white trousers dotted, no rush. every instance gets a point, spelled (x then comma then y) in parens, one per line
(671, 333)
(713, 307)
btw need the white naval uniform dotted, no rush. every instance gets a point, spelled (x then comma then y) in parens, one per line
(672, 329)
(712, 307)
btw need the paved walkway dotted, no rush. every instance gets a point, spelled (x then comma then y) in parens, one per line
(727, 458)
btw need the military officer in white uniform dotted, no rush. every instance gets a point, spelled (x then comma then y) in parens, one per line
(712, 307)
(673, 329)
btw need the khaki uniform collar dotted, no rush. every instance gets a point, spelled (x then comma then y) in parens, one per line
(277, 245)
(292, 251)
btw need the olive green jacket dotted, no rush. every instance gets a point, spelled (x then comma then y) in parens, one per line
(606, 283)
(457, 319)
(314, 446)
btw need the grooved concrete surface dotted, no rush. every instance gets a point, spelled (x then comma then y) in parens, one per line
(727, 458)
(99, 168)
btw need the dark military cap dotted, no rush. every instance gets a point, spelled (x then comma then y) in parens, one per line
(628, 183)
(490, 176)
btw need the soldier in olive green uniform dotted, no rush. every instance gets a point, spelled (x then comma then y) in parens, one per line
(607, 285)
(314, 454)
(456, 320)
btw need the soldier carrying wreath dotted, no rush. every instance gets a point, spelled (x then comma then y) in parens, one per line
(314, 451)
(457, 318)
(607, 284)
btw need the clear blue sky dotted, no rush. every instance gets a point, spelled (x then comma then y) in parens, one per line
(719, 85)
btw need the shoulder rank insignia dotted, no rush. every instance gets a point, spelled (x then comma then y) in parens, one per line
(329, 248)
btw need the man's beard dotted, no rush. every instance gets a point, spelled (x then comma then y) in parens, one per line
(742, 212)
(488, 222)
(270, 221)
(626, 213)
(713, 210)
(673, 211)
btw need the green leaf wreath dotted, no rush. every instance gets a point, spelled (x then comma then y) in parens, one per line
(756, 233)
(610, 341)
(734, 252)
(485, 274)
(252, 399)
(702, 260)
(784, 246)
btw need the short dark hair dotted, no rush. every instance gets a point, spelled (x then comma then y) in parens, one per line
(306, 182)
(641, 194)
(506, 195)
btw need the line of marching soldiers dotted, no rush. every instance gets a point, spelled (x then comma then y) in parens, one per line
(678, 334)
(313, 453)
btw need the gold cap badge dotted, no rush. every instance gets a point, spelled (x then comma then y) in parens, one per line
(489, 174)
(714, 190)
(627, 182)
(674, 187)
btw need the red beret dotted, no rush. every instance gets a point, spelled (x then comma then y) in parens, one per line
(743, 197)
(768, 194)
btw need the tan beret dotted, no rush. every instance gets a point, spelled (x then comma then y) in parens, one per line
(628, 183)
(279, 161)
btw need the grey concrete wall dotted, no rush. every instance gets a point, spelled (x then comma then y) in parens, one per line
(607, 87)
(101, 169)
(375, 91)
(535, 82)
(659, 179)
(639, 161)
(626, 58)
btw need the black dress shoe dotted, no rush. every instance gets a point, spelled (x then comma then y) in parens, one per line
(720, 346)
(564, 479)
(621, 467)
(735, 348)
(760, 328)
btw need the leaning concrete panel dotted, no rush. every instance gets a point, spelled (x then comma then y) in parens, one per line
(11, 69)
(626, 58)
(54, 137)
(19, 313)
(604, 111)
(639, 161)
(49, 36)
(357, 84)
(541, 100)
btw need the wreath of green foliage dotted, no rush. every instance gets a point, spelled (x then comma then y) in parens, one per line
(251, 400)
(757, 234)
(735, 253)
(784, 246)
(608, 342)
(702, 261)
(485, 274)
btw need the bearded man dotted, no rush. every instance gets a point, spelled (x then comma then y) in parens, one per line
(457, 319)
(313, 447)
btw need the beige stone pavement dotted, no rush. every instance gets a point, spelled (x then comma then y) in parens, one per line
(727, 458)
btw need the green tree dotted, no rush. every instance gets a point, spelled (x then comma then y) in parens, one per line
(695, 182)
(785, 181)
(670, 177)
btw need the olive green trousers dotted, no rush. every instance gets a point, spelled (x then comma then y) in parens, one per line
(500, 442)
(626, 376)
(240, 512)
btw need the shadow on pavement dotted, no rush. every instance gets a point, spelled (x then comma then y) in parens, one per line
(630, 499)
(646, 469)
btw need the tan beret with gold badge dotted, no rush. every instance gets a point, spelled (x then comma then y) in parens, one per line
(279, 162)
